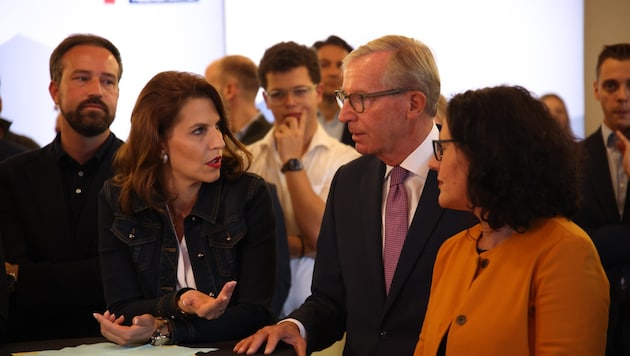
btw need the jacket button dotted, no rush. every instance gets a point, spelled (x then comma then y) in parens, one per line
(194, 218)
(384, 335)
(460, 320)
(484, 263)
(201, 255)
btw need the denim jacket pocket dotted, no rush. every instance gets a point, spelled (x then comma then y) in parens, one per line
(223, 239)
(140, 238)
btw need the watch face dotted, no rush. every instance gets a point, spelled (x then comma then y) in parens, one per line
(160, 340)
(292, 165)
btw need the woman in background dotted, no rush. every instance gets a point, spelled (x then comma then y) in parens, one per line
(526, 280)
(181, 224)
(557, 109)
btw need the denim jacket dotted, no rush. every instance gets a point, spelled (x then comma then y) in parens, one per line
(230, 234)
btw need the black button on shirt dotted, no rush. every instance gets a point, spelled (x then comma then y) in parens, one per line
(77, 178)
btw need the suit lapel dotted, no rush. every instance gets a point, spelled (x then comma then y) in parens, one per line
(600, 173)
(371, 216)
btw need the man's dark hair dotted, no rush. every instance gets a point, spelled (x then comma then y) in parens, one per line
(56, 65)
(619, 51)
(285, 56)
(334, 41)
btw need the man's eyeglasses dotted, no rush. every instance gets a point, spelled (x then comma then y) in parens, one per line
(438, 148)
(357, 101)
(279, 96)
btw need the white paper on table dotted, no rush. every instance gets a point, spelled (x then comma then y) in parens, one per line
(111, 349)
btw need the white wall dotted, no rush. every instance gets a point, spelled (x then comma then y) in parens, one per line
(534, 43)
(151, 38)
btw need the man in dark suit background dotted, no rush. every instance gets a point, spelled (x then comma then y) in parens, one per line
(390, 92)
(48, 199)
(605, 212)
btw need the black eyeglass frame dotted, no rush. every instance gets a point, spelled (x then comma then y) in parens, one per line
(341, 97)
(438, 150)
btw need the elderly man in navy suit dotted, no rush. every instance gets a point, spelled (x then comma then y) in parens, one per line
(390, 93)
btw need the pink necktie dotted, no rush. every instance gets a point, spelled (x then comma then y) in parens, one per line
(396, 223)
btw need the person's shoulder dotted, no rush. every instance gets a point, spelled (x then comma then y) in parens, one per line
(560, 228)
(10, 149)
(337, 149)
(555, 235)
(262, 121)
(248, 180)
(456, 242)
(261, 145)
(594, 137)
(361, 165)
(29, 156)
(251, 177)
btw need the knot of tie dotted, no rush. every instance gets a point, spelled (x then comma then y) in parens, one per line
(612, 140)
(398, 176)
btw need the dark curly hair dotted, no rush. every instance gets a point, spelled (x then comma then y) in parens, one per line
(523, 164)
(285, 56)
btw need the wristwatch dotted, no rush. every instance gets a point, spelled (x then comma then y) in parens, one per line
(292, 165)
(161, 336)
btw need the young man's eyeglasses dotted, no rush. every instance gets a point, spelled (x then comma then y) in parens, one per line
(438, 148)
(279, 96)
(357, 101)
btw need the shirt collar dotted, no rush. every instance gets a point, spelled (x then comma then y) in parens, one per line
(418, 161)
(98, 156)
(609, 136)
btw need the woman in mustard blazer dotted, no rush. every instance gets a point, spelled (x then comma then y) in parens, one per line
(526, 280)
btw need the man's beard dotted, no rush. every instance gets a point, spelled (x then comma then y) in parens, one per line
(91, 123)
